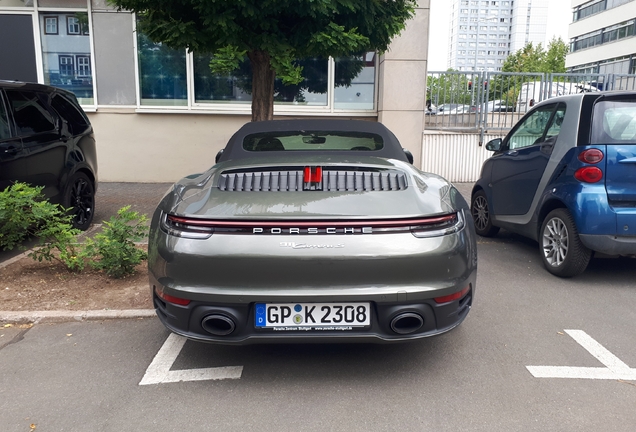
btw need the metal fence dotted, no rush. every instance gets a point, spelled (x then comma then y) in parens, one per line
(495, 101)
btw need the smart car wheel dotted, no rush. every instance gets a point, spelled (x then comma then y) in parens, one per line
(481, 216)
(561, 249)
(80, 198)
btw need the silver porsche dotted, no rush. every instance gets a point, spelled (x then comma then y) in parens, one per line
(312, 230)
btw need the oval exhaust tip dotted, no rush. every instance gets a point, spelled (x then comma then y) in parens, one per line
(217, 324)
(407, 323)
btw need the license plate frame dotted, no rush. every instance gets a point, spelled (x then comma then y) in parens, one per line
(312, 316)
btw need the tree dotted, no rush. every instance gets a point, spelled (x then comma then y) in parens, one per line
(272, 34)
(535, 59)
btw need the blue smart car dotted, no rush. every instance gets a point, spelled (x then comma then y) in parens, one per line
(565, 176)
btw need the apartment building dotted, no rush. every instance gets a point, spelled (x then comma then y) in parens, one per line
(602, 37)
(484, 32)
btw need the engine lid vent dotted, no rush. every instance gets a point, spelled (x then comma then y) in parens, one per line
(332, 180)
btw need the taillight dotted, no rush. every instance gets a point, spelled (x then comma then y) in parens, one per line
(451, 297)
(171, 299)
(591, 156)
(588, 174)
(438, 226)
(184, 227)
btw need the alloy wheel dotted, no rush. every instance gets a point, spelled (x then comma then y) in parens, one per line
(480, 212)
(555, 242)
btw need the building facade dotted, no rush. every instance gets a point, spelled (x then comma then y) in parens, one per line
(484, 32)
(602, 37)
(160, 114)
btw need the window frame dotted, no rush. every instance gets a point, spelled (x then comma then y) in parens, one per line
(46, 25)
(68, 26)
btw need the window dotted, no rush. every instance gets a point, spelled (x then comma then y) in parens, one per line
(66, 68)
(72, 25)
(162, 75)
(313, 141)
(50, 25)
(71, 113)
(66, 60)
(29, 114)
(83, 66)
(614, 122)
(531, 131)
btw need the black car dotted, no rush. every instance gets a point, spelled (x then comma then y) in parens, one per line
(47, 140)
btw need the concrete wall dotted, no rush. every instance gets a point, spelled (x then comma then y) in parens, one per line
(135, 147)
(402, 82)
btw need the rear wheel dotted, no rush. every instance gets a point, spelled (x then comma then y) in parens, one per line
(79, 196)
(481, 215)
(561, 249)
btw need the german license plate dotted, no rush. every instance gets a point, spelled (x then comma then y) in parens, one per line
(312, 316)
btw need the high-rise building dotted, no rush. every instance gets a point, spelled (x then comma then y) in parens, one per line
(484, 32)
(602, 37)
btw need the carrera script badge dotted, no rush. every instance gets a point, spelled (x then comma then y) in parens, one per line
(295, 245)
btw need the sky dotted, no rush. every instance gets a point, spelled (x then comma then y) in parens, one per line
(558, 22)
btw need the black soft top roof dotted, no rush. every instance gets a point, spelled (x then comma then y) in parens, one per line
(391, 149)
(29, 86)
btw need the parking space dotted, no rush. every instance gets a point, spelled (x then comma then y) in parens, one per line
(87, 376)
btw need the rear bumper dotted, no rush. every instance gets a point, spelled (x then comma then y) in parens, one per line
(436, 318)
(610, 244)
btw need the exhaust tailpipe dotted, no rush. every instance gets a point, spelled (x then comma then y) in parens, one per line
(407, 323)
(218, 325)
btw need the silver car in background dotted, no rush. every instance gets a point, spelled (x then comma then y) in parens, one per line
(312, 230)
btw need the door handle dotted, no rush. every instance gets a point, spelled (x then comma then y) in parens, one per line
(11, 150)
(512, 152)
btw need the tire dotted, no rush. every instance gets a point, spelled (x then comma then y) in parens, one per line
(481, 215)
(79, 197)
(562, 251)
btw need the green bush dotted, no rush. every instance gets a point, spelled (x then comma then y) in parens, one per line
(114, 250)
(24, 213)
(22, 210)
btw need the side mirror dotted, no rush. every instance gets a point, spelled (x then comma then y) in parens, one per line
(409, 156)
(218, 156)
(494, 145)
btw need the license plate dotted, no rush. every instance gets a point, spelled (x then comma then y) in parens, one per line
(312, 316)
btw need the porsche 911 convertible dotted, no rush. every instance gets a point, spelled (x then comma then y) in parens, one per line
(312, 230)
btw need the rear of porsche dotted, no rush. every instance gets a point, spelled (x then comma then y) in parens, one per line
(323, 252)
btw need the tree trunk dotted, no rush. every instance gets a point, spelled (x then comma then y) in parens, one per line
(262, 86)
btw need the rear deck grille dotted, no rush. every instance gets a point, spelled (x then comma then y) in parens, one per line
(332, 181)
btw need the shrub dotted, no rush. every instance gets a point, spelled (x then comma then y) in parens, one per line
(115, 247)
(22, 208)
(24, 212)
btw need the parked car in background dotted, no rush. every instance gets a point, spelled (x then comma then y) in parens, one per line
(496, 106)
(565, 176)
(47, 140)
(312, 230)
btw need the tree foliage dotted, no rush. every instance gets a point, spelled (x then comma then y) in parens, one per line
(533, 58)
(273, 34)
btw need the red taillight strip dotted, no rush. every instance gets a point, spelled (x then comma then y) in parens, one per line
(172, 299)
(451, 297)
(314, 224)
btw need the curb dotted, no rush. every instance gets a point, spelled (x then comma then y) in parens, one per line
(37, 317)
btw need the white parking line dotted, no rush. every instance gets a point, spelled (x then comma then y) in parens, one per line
(159, 370)
(615, 368)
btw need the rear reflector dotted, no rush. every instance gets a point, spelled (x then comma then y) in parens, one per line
(591, 156)
(588, 174)
(172, 299)
(451, 297)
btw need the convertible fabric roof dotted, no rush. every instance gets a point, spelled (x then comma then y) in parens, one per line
(391, 149)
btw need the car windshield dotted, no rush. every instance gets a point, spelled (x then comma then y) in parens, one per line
(614, 122)
(313, 140)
